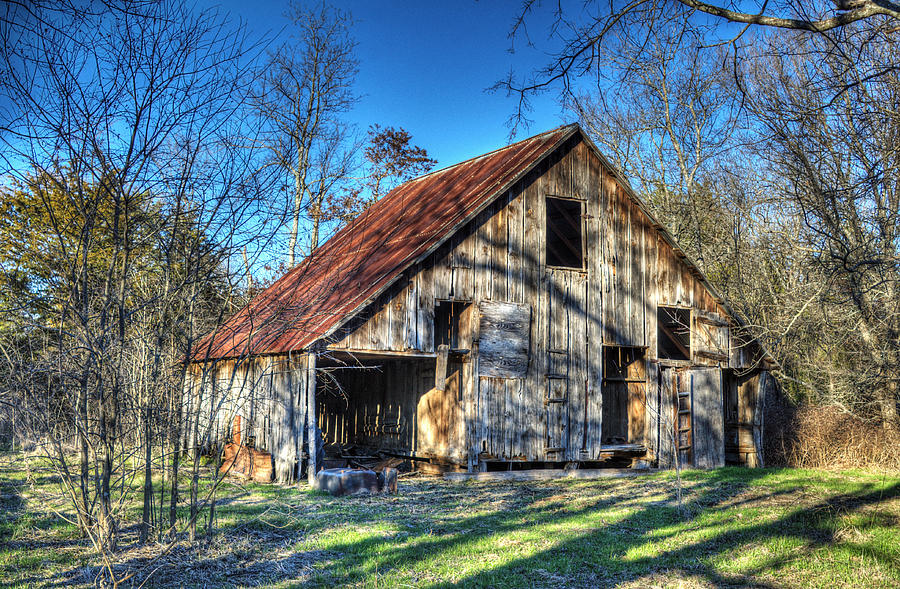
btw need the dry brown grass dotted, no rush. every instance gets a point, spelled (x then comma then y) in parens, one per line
(826, 437)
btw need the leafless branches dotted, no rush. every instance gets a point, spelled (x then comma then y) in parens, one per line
(127, 196)
(306, 85)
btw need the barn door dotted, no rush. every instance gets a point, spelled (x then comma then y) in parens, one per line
(684, 417)
(708, 412)
(691, 417)
(439, 411)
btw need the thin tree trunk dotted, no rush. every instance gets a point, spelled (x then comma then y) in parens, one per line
(107, 535)
(295, 220)
(84, 518)
(176, 458)
(148, 479)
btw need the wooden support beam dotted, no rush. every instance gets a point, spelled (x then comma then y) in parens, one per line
(674, 339)
(544, 474)
(311, 436)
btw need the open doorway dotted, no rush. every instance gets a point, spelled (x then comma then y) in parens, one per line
(624, 392)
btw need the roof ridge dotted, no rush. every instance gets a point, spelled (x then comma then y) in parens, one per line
(489, 153)
(350, 227)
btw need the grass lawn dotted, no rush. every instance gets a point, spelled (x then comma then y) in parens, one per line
(738, 527)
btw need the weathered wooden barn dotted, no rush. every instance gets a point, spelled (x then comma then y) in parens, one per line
(519, 309)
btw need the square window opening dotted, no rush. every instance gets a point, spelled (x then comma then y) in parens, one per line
(446, 323)
(565, 247)
(674, 333)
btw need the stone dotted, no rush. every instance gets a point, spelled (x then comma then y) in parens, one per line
(346, 481)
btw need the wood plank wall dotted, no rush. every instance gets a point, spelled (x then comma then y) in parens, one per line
(267, 392)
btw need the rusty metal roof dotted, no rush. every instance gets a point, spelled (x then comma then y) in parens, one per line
(363, 258)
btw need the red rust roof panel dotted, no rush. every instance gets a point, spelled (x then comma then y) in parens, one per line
(364, 257)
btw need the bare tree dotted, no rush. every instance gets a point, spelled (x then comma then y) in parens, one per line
(667, 113)
(306, 86)
(120, 130)
(580, 34)
(771, 144)
(830, 137)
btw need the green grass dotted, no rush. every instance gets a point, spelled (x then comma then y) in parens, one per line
(737, 527)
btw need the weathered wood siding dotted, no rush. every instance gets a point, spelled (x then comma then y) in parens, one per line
(267, 392)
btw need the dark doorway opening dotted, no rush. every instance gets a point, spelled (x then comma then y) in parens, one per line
(624, 395)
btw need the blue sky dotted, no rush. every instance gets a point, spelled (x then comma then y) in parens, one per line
(425, 65)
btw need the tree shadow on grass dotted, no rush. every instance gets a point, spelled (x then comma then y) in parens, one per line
(808, 524)
(599, 555)
(611, 532)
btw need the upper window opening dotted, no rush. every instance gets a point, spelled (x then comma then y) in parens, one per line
(564, 243)
(446, 323)
(674, 333)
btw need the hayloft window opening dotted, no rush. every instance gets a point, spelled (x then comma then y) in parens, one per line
(446, 323)
(674, 333)
(565, 247)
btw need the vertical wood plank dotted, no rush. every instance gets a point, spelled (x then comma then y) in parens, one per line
(397, 327)
(575, 321)
(532, 262)
(462, 262)
(594, 339)
(482, 256)
(653, 411)
(516, 226)
(412, 310)
(425, 308)
(441, 275)
(499, 252)
(311, 431)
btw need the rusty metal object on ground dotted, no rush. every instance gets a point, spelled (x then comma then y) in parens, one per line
(247, 462)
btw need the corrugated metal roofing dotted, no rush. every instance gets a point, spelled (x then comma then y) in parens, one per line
(362, 259)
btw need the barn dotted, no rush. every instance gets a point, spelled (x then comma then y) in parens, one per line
(521, 309)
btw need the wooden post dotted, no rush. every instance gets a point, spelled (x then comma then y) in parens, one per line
(440, 371)
(311, 415)
(759, 417)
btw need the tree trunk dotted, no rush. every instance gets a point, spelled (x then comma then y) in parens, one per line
(148, 481)
(176, 458)
(196, 407)
(107, 528)
(295, 221)
(890, 420)
(84, 518)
